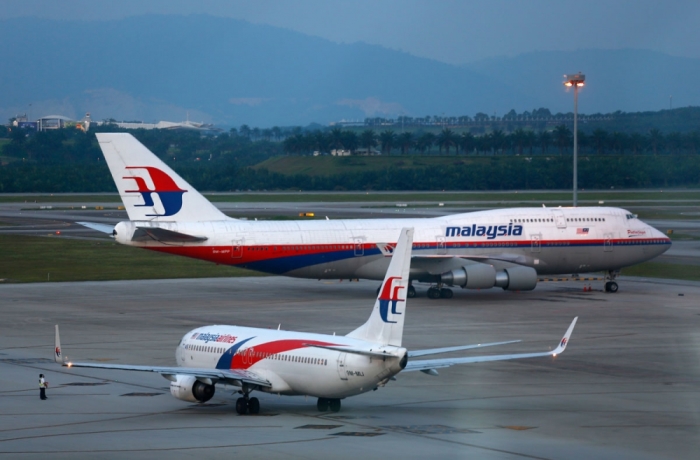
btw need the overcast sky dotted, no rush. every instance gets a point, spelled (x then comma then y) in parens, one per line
(452, 31)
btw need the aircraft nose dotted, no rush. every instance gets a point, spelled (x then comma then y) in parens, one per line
(665, 243)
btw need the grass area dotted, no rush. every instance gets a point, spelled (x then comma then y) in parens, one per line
(25, 259)
(662, 270)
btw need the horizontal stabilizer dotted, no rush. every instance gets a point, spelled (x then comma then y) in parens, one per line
(164, 236)
(104, 228)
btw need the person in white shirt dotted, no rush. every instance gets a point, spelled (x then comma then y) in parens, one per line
(43, 384)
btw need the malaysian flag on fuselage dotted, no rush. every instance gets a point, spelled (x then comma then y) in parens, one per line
(582, 231)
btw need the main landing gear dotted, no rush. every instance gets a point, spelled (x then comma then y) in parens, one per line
(324, 404)
(246, 405)
(610, 284)
(439, 292)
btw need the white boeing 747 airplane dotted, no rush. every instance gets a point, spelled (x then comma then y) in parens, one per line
(327, 367)
(505, 248)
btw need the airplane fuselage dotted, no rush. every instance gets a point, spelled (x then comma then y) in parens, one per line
(549, 240)
(288, 362)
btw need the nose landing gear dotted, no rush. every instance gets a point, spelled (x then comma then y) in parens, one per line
(610, 283)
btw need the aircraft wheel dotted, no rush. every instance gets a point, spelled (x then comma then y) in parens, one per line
(446, 293)
(335, 405)
(611, 286)
(433, 293)
(411, 291)
(241, 406)
(322, 404)
(254, 406)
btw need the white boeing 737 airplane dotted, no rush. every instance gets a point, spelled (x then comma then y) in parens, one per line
(327, 367)
(505, 248)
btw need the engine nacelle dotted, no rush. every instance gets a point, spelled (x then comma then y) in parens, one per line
(188, 388)
(476, 276)
(517, 279)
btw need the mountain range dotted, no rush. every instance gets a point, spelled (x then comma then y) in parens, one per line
(231, 72)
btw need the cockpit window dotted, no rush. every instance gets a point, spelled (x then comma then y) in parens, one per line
(631, 216)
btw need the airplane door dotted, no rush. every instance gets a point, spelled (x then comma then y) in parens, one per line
(237, 249)
(359, 247)
(559, 218)
(341, 366)
(608, 242)
(441, 247)
(536, 242)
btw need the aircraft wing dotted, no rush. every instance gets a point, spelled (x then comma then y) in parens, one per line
(428, 366)
(233, 376)
(104, 228)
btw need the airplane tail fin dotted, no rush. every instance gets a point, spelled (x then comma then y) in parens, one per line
(57, 352)
(149, 189)
(385, 324)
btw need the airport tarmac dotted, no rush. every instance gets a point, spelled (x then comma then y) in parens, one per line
(627, 386)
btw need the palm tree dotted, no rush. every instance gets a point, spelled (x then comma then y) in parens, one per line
(446, 139)
(562, 136)
(425, 142)
(467, 142)
(350, 140)
(387, 139)
(335, 138)
(405, 141)
(368, 139)
(530, 140)
(545, 140)
(599, 139)
(245, 131)
(497, 139)
(636, 141)
(518, 138)
(656, 140)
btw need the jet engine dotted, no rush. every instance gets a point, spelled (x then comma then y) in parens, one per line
(517, 279)
(188, 388)
(483, 276)
(476, 276)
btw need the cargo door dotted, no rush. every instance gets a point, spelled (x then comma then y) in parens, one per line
(342, 371)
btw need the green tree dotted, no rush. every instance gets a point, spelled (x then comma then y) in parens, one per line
(544, 139)
(387, 139)
(562, 137)
(368, 139)
(405, 142)
(446, 139)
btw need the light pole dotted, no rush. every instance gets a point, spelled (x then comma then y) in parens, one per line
(575, 80)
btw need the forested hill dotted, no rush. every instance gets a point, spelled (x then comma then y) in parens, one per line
(70, 161)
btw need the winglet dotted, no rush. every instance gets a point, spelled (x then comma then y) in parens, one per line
(565, 340)
(57, 353)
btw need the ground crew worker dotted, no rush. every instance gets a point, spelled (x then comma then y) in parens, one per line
(42, 386)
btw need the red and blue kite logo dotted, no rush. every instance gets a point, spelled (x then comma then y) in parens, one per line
(168, 192)
(389, 296)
